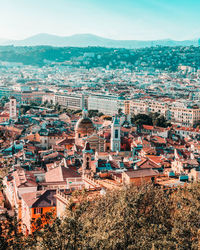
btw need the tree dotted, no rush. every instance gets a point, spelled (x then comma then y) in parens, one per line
(120, 112)
(154, 119)
(186, 216)
(100, 114)
(65, 233)
(145, 217)
(4, 100)
(93, 113)
(142, 119)
(134, 218)
(10, 235)
(161, 122)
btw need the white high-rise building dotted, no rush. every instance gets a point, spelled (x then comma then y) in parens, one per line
(107, 104)
(13, 108)
(115, 135)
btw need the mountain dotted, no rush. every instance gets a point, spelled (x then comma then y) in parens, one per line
(85, 40)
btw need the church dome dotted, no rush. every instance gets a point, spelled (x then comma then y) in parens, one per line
(84, 126)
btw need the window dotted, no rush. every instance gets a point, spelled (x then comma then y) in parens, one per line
(116, 134)
(38, 210)
(88, 163)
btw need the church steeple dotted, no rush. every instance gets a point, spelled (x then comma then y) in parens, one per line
(87, 155)
(84, 113)
(115, 135)
(13, 108)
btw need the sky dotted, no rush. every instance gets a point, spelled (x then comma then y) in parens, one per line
(116, 19)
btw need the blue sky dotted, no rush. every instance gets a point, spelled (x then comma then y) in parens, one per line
(117, 19)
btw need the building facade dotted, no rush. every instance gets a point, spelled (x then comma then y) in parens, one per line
(106, 104)
(115, 135)
(71, 101)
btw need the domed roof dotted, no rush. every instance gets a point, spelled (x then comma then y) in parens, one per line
(84, 125)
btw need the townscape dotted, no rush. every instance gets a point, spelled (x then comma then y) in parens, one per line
(65, 129)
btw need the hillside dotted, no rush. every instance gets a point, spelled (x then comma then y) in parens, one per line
(85, 40)
(161, 58)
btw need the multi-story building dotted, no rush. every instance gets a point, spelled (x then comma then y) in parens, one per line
(49, 97)
(5, 91)
(179, 114)
(71, 101)
(107, 104)
(157, 107)
(28, 96)
(127, 107)
(35, 204)
(185, 116)
(4, 117)
(137, 107)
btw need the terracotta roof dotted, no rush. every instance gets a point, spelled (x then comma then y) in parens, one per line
(60, 173)
(52, 155)
(158, 139)
(149, 150)
(44, 198)
(14, 130)
(155, 159)
(24, 178)
(141, 173)
(84, 125)
(190, 129)
(147, 127)
(146, 164)
(4, 115)
(65, 141)
(33, 137)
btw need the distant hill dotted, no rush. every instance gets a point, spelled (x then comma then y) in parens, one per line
(85, 40)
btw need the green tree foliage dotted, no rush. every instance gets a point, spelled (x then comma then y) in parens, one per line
(186, 226)
(66, 233)
(145, 217)
(10, 235)
(163, 57)
(3, 101)
(77, 112)
(142, 119)
(152, 119)
(135, 218)
(93, 113)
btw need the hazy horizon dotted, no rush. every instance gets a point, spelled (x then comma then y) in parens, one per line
(51, 34)
(118, 20)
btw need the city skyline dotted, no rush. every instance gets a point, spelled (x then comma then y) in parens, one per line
(120, 20)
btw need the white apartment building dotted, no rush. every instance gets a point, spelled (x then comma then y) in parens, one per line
(50, 98)
(157, 107)
(184, 116)
(107, 104)
(138, 107)
(179, 114)
(71, 101)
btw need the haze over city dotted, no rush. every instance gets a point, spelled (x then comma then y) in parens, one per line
(115, 19)
(99, 124)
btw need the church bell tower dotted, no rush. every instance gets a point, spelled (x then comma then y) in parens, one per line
(87, 155)
(13, 108)
(115, 135)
